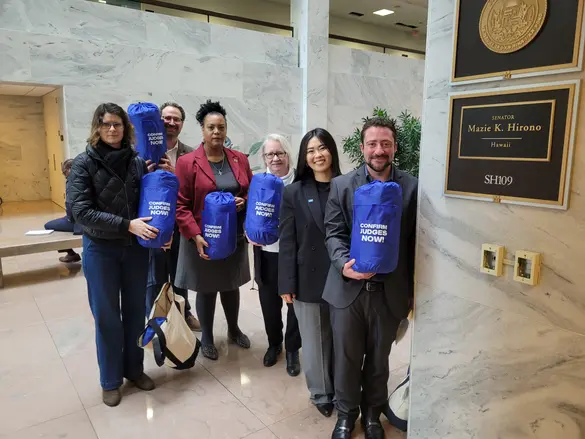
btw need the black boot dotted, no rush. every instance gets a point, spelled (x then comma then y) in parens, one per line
(293, 364)
(344, 427)
(371, 422)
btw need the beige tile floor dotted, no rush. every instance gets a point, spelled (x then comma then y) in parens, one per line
(49, 379)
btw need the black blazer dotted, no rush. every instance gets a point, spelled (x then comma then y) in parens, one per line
(303, 260)
(340, 292)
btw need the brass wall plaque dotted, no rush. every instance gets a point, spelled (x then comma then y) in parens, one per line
(501, 39)
(507, 26)
(512, 145)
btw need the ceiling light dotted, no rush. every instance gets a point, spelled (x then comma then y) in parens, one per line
(384, 12)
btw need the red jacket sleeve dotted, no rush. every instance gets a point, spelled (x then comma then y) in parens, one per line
(185, 219)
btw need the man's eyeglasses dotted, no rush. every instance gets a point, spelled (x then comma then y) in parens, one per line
(271, 155)
(172, 119)
(110, 125)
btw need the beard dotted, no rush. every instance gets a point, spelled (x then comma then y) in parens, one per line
(171, 131)
(379, 168)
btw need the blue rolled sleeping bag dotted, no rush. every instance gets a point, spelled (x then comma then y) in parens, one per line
(158, 199)
(151, 136)
(219, 223)
(262, 212)
(375, 234)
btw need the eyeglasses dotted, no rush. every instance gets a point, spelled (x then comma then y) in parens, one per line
(172, 119)
(280, 154)
(110, 125)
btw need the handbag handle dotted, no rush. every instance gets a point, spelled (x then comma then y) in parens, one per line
(161, 353)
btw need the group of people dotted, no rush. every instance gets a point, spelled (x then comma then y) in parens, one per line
(345, 320)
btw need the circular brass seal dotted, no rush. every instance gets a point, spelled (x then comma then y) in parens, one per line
(506, 26)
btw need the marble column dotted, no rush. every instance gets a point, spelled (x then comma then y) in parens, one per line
(310, 20)
(492, 358)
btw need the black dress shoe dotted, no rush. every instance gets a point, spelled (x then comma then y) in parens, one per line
(293, 365)
(325, 409)
(372, 427)
(271, 355)
(343, 428)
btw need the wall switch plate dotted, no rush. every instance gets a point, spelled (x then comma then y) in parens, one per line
(492, 259)
(527, 267)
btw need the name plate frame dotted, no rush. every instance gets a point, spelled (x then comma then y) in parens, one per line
(503, 71)
(463, 171)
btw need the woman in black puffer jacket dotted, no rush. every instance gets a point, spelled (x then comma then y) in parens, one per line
(104, 191)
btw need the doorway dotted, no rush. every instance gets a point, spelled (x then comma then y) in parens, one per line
(32, 144)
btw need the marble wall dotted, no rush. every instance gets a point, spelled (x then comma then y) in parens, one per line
(359, 81)
(102, 53)
(24, 174)
(493, 358)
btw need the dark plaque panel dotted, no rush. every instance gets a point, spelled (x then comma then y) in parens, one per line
(518, 131)
(511, 145)
(555, 46)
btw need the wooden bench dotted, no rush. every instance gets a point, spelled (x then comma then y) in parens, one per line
(26, 245)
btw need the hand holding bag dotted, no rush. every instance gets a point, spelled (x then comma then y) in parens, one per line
(263, 209)
(219, 224)
(375, 235)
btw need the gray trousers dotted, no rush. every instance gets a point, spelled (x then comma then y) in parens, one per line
(317, 358)
(363, 336)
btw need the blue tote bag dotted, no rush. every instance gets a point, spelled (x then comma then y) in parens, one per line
(158, 199)
(219, 221)
(375, 235)
(263, 208)
(151, 136)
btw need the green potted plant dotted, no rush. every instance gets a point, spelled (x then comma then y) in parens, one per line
(408, 130)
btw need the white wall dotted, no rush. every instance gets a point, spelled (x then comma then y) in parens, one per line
(103, 53)
(359, 81)
(24, 174)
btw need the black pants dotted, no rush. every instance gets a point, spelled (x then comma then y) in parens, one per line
(205, 305)
(172, 259)
(271, 304)
(363, 334)
(64, 225)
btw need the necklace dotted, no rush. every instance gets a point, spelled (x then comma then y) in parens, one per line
(220, 169)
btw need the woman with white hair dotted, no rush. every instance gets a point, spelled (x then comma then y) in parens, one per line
(277, 157)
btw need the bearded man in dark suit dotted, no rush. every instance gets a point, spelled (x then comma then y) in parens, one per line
(366, 308)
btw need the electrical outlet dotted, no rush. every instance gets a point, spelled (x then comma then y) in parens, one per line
(492, 259)
(527, 267)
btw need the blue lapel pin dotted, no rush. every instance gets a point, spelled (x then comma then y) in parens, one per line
(310, 200)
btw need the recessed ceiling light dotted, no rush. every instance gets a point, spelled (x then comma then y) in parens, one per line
(384, 12)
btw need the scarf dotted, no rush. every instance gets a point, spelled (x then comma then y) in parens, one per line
(288, 178)
(117, 159)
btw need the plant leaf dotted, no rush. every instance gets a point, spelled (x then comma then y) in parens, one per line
(255, 148)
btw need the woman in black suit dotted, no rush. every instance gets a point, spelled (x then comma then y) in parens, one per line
(304, 261)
